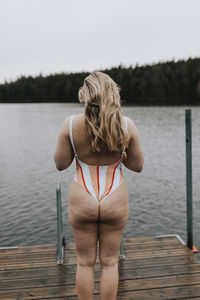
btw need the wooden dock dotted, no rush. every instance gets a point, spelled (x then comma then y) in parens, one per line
(154, 268)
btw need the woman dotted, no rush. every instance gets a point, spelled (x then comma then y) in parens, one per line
(101, 140)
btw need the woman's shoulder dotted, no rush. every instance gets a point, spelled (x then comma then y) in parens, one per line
(77, 119)
(132, 128)
(74, 117)
(129, 122)
(128, 119)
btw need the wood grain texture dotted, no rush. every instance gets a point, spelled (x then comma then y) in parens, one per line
(154, 268)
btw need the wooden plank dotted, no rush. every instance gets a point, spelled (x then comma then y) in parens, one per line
(177, 292)
(193, 298)
(30, 256)
(180, 282)
(69, 279)
(52, 251)
(25, 249)
(158, 294)
(37, 272)
(158, 271)
(52, 269)
(159, 253)
(162, 261)
(181, 259)
(135, 241)
(155, 268)
(154, 246)
(26, 283)
(165, 281)
(129, 255)
(44, 292)
(155, 239)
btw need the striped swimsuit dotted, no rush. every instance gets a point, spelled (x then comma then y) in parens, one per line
(98, 181)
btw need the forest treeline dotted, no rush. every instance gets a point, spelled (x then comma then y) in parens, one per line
(165, 83)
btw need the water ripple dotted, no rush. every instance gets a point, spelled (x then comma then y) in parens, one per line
(29, 177)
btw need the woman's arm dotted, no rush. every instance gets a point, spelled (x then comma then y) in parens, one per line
(63, 155)
(133, 158)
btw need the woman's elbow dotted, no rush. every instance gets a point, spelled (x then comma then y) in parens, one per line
(139, 169)
(62, 164)
(139, 166)
(60, 168)
(135, 167)
(59, 165)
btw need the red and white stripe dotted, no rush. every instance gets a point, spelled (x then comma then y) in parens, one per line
(99, 181)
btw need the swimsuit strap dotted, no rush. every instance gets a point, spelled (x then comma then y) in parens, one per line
(71, 136)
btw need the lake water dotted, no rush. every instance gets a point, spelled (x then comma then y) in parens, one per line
(28, 177)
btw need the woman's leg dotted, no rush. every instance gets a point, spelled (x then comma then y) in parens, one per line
(113, 217)
(86, 244)
(83, 217)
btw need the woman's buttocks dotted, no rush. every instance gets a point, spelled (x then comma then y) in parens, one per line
(81, 205)
(115, 208)
(83, 208)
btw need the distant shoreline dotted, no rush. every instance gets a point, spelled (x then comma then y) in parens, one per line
(123, 105)
(162, 84)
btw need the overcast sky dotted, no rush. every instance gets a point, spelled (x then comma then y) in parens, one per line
(52, 36)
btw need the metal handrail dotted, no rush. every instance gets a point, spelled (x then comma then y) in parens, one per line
(188, 141)
(60, 235)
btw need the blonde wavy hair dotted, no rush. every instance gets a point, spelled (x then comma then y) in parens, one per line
(103, 112)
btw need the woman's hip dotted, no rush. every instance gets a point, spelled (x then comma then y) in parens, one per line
(82, 207)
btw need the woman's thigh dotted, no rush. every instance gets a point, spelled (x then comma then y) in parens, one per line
(83, 212)
(113, 216)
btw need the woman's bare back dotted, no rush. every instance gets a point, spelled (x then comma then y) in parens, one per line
(84, 147)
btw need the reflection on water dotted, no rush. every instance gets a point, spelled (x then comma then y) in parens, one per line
(28, 135)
